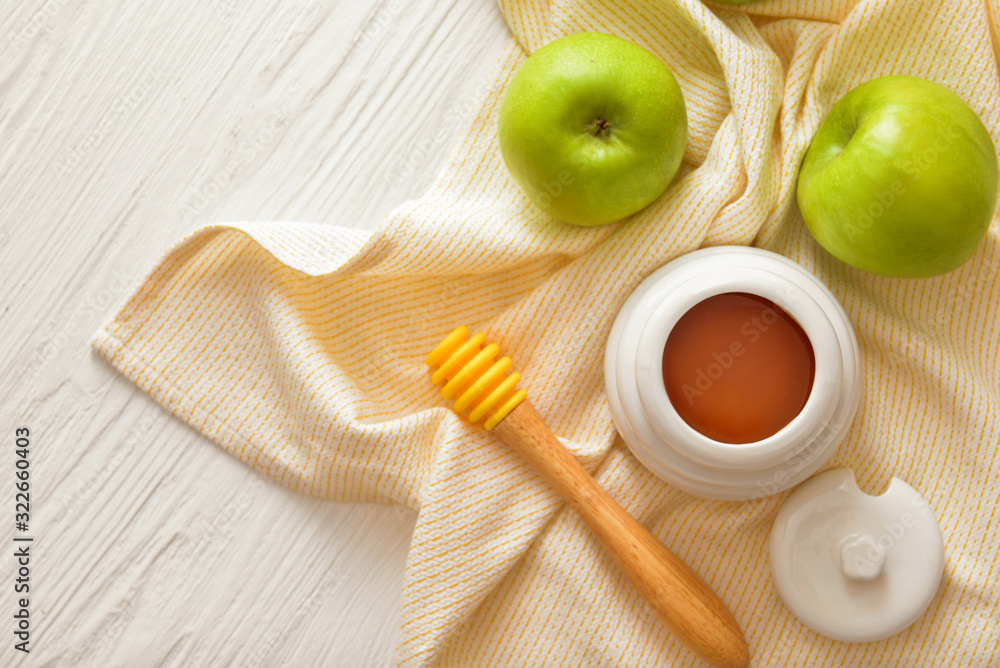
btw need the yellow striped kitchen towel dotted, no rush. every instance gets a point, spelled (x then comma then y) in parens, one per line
(299, 348)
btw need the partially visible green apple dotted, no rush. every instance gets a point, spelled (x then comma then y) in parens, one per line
(900, 179)
(592, 128)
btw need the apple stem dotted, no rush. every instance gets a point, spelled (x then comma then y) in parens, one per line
(601, 128)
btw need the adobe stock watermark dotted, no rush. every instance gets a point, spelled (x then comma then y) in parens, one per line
(793, 471)
(793, 467)
(419, 153)
(109, 632)
(913, 168)
(212, 187)
(552, 190)
(751, 331)
(224, 521)
(329, 585)
(862, 555)
(84, 315)
(963, 294)
(100, 476)
(96, 136)
(374, 28)
(225, 8)
(17, 39)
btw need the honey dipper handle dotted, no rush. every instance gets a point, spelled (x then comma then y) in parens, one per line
(687, 605)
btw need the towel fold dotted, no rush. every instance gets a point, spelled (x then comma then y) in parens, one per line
(299, 349)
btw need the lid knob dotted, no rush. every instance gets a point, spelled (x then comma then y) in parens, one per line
(861, 558)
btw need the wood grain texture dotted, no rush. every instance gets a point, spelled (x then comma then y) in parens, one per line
(688, 606)
(123, 127)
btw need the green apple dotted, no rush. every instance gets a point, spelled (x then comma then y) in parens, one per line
(592, 128)
(900, 179)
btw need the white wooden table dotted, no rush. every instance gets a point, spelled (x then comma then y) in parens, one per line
(124, 126)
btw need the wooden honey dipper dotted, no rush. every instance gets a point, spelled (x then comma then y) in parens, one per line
(484, 391)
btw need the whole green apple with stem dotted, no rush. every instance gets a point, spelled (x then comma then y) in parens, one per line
(592, 128)
(900, 179)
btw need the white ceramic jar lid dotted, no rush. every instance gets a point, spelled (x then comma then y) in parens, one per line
(855, 567)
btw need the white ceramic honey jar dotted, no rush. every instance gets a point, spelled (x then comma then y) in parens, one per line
(655, 430)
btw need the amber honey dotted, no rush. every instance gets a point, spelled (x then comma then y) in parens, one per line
(738, 368)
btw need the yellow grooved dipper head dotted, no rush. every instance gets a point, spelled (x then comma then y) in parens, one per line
(480, 386)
